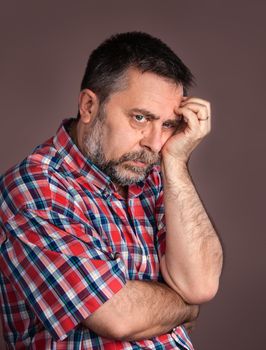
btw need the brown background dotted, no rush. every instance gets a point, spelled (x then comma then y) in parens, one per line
(44, 48)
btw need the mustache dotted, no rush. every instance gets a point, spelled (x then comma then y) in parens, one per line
(147, 157)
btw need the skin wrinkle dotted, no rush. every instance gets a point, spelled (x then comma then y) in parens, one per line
(92, 143)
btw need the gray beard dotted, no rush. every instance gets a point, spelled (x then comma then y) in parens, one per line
(118, 170)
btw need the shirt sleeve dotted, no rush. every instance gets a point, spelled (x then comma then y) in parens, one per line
(60, 265)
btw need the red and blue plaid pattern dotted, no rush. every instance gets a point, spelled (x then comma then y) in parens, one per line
(68, 243)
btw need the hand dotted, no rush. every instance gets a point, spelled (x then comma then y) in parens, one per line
(190, 326)
(191, 321)
(196, 115)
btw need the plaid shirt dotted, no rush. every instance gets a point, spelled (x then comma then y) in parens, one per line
(68, 243)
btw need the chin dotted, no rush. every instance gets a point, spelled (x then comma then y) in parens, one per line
(127, 176)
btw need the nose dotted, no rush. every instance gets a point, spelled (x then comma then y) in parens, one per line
(153, 139)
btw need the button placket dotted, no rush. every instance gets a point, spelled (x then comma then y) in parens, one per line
(144, 258)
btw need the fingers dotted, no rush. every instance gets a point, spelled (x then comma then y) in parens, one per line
(196, 127)
(201, 110)
(193, 109)
(197, 101)
(190, 118)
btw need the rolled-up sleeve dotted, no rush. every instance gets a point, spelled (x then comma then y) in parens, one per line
(60, 266)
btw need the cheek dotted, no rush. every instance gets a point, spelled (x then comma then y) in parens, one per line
(117, 142)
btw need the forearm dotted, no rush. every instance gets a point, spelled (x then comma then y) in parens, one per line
(193, 256)
(141, 310)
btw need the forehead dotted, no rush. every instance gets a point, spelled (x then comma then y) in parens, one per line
(149, 91)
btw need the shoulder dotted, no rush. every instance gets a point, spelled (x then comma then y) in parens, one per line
(33, 182)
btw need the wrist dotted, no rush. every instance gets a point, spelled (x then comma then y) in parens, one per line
(174, 171)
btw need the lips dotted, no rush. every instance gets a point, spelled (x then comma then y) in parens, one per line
(138, 163)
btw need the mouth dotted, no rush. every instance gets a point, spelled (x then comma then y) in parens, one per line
(137, 163)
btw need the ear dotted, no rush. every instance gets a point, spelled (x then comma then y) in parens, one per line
(88, 105)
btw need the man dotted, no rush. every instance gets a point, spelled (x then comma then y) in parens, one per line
(105, 243)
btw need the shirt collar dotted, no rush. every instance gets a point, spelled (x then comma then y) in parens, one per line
(76, 160)
(84, 166)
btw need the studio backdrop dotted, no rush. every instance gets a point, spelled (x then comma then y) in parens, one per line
(44, 49)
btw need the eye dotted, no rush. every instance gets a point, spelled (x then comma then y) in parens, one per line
(140, 118)
(169, 125)
(173, 124)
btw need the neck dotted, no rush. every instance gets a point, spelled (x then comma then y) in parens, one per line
(73, 131)
(76, 134)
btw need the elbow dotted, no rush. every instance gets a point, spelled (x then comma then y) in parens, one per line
(114, 330)
(125, 331)
(121, 332)
(193, 291)
(198, 292)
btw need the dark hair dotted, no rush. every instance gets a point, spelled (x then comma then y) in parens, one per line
(109, 61)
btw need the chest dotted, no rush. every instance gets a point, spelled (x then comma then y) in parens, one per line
(127, 227)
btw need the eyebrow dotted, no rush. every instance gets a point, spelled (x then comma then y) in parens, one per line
(150, 115)
(145, 112)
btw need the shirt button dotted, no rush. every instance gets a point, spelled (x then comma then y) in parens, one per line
(106, 193)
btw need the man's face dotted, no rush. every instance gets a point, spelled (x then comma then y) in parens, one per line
(126, 137)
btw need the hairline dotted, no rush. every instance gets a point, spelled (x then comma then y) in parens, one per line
(119, 86)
